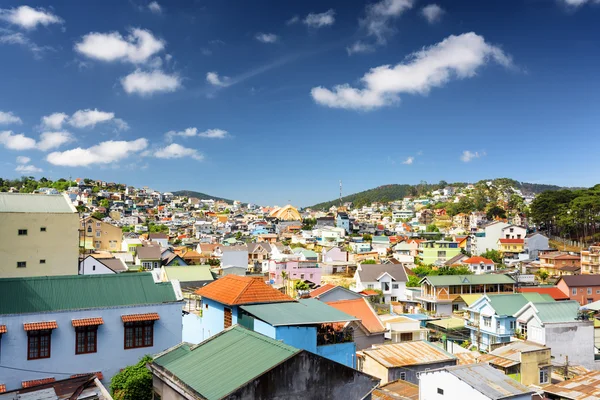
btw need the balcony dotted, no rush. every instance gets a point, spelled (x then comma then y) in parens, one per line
(327, 334)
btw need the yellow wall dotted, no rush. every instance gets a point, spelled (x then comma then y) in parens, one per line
(108, 233)
(530, 362)
(510, 248)
(372, 367)
(59, 245)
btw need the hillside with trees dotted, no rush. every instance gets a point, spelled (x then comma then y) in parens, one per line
(199, 195)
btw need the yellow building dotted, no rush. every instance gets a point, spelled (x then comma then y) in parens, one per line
(104, 236)
(507, 246)
(287, 213)
(38, 235)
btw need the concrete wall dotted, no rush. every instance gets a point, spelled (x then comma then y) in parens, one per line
(301, 337)
(108, 236)
(63, 362)
(412, 371)
(235, 258)
(213, 317)
(297, 379)
(192, 329)
(574, 339)
(343, 353)
(490, 240)
(58, 245)
(530, 367)
(92, 266)
(364, 341)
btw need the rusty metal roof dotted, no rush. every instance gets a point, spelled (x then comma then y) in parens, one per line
(470, 357)
(408, 353)
(397, 390)
(489, 381)
(498, 361)
(583, 387)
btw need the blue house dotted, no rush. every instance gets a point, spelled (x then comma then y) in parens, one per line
(342, 220)
(491, 317)
(305, 324)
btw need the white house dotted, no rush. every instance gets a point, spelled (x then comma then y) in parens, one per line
(514, 232)
(479, 265)
(472, 381)
(88, 323)
(389, 278)
(94, 266)
(489, 238)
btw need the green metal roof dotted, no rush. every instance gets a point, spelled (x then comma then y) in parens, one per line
(380, 239)
(558, 311)
(509, 304)
(303, 312)
(225, 362)
(35, 203)
(75, 292)
(487, 279)
(190, 273)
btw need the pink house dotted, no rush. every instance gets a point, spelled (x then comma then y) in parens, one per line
(304, 270)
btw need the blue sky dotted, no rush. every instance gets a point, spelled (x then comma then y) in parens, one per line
(271, 101)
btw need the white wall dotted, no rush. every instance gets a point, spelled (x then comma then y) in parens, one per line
(91, 266)
(490, 241)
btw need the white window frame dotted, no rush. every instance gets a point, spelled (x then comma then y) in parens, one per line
(544, 375)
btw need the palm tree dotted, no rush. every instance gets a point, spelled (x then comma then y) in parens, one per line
(284, 276)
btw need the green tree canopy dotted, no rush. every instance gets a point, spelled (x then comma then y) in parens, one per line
(133, 382)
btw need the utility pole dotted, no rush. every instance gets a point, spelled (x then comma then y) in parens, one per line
(566, 372)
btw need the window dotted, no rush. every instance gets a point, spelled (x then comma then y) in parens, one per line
(597, 291)
(440, 391)
(97, 224)
(42, 261)
(406, 337)
(139, 334)
(513, 325)
(97, 244)
(21, 264)
(544, 375)
(487, 321)
(589, 290)
(89, 229)
(113, 244)
(497, 324)
(98, 233)
(38, 344)
(385, 286)
(395, 286)
(301, 276)
(403, 376)
(22, 232)
(226, 317)
(441, 253)
(86, 339)
(512, 230)
(43, 229)
(574, 291)
(394, 298)
(147, 265)
(370, 286)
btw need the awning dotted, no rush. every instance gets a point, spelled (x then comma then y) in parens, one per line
(38, 326)
(3, 329)
(87, 322)
(140, 317)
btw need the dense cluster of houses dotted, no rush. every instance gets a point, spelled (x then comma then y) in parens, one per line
(237, 301)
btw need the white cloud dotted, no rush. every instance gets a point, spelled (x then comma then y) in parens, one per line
(16, 141)
(155, 7)
(267, 37)
(214, 79)
(9, 37)
(360, 47)
(192, 132)
(214, 134)
(23, 160)
(103, 153)
(148, 83)
(408, 161)
(86, 118)
(468, 155)
(320, 20)
(380, 15)
(9, 118)
(578, 3)
(138, 47)
(28, 169)
(29, 18)
(455, 57)
(175, 150)
(294, 20)
(432, 13)
(54, 121)
(52, 140)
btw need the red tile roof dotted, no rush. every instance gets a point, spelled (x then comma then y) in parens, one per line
(37, 326)
(140, 317)
(368, 292)
(2, 388)
(237, 290)
(98, 374)
(478, 260)
(360, 308)
(87, 322)
(323, 289)
(35, 382)
(553, 291)
(2, 328)
(512, 241)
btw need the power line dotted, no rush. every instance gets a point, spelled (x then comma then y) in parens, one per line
(40, 372)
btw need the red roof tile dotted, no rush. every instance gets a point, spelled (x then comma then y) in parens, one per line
(369, 292)
(237, 290)
(553, 291)
(2, 388)
(37, 326)
(35, 382)
(140, 317)
(361, 309)
(478, 260)
(323, 289)
(3, 329)
(512, 241)
(98, 374)
(87, 322)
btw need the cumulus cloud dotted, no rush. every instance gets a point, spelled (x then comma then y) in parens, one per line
(28, 169)
(54, 121)
(9, 118)
(18, 141)
(360, 47)
(155, 8)
(457, 57)
(214, 79)
(408, 161)
(89, 118)
(468, 155)
(380, 16)
(23, 160)
(148, 83)
(192, 132)
(267, 37)
(175, 150)
(29, 18)
(320, 20)
(103, 153)
(52, 140)
(137, 47)
(294, 20)
(432, 13)
(578, 3)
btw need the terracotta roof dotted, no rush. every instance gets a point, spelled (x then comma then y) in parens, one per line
(2, 388)
(323, 289)
(237, 290)
(2, 328)
(555, 292)
(87, 322)
(36, 326)
(368, 292)
(478, 260)
(360, 308)
(140, 317)
(512, 241)
(98, 374)
(35, 382)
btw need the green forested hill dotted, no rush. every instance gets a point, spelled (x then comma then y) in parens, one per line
(199, 195)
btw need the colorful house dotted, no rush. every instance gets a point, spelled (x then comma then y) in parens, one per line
(437, 251)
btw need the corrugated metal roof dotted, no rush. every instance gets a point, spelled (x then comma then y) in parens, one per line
(408, 353)
(73, 292)
(225, 362)
(303, 312)
(487, 279)
(509, 304)
(34, 203)
(190, 274)
(488, 381)
(584, 387)
(399, 389)
(558, 311)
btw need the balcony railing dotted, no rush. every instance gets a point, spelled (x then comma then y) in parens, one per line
(327, 335)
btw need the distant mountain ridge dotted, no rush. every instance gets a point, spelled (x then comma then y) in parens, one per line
(199, 195)
(394, 192)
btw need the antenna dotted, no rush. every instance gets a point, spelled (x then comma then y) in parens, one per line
(340, 192)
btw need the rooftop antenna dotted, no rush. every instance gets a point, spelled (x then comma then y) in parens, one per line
(340, 192)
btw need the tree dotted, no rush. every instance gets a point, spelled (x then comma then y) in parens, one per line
(105, 203)
(300, 285)
(413, 281)
(214, 262)
(98, 215)
(542, 275)
(367, 237)
(493, 255)
(133, 382)
(495, 212)
(368, 262)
